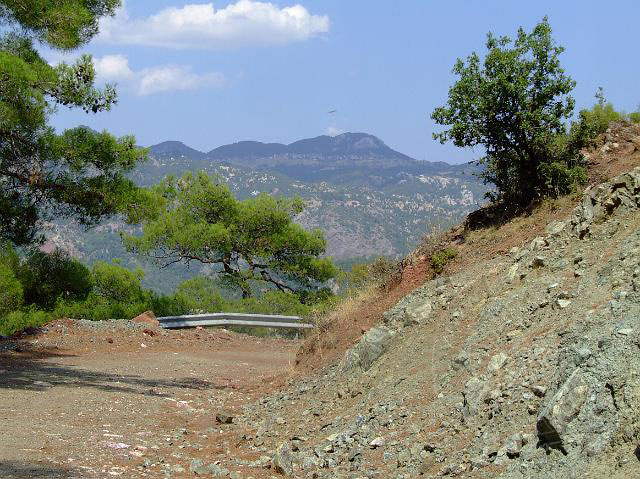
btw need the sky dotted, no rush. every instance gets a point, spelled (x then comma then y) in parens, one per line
(213, 73)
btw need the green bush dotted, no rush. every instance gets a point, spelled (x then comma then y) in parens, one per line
(600, 117)
(19, 320)
(47, 277)
(200, 294)
(376, 272)
(635, 117)
(9, 257)
(593, 122)
(272, 302)
(116, 283)
(11, 293)
(441, 258)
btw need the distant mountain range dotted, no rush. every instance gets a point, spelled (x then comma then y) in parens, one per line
(368, 198)
(346, 159)
(328, 146)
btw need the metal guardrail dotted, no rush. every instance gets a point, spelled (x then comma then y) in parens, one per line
(233, 319)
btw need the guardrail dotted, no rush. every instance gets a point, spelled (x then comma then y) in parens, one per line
(233, 319)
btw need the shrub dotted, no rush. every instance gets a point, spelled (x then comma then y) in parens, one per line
(376, 272)
(273, 302)
(47, 277)
(200, 294)
(11, 293)
(9, 257)
(19, 320)
(115, 283)
(635, 117)
(441, 258)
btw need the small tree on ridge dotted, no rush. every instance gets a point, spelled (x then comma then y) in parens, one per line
(514, 104)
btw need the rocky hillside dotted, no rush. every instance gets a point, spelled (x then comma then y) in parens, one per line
(521, 361)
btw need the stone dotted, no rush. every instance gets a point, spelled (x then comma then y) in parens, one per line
(538, 244)
(370, 347)
(514, 445)
(539, 391)
(282, 461)
(460, 361)
(148, 317)
(218, 471)
(538, 262)
(554, 421)
(563, 303)
(224, 418)
(555, 228)
(475, 391)
(377, 442)
(497, 362)
(513, 272)
(198, 468)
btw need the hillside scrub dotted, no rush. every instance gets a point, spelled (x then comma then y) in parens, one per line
(441, 258)
(30, 298)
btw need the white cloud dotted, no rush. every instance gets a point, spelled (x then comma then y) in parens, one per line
(334, 131)
(246, 23)
(176, 78)
(154, 80)
(113, 67)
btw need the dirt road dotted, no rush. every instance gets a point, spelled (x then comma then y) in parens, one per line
(79, 402)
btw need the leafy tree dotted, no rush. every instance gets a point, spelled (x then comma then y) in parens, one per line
(200, 294)
(514, 104)
(78, 173)
(11, 292)
(116, 283)
(254, 240)
(48, 277)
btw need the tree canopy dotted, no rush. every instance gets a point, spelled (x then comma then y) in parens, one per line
(250, 240)
(515, 104)
(78, 173)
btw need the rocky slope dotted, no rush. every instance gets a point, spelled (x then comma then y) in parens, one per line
(519, 365)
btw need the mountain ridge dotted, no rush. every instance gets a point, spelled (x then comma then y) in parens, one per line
(349, 143)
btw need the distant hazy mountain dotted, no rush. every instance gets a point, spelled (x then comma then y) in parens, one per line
(175, 149)
(349, 158)
(344, 145)
(368, 198)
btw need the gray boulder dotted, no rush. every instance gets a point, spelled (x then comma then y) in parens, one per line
(370, 347)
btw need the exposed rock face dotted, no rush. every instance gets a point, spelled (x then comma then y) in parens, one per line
(600, 202)
(370, 347)
(600, 395)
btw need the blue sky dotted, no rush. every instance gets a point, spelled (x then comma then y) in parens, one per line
(214, 73)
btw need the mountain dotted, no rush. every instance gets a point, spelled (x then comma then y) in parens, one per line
(349, 158)
(326, 146)
(368, 198)
(175, 149)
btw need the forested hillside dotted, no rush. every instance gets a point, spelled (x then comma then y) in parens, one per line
(369, 199)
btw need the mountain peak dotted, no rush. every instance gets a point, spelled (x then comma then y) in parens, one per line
(345, 144)
(175, 149)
